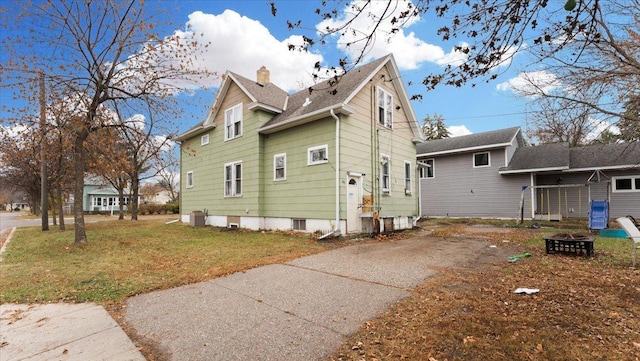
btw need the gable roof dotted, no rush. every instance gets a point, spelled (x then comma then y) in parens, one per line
(545, 157)
(472, 142)
(320, 99)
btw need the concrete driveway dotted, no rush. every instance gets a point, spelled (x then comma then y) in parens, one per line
(302, 310)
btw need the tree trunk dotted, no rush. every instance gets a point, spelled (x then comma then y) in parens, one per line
(60, 206)
(134, 196)
(54, 210)
(121, 201)
(78, 171)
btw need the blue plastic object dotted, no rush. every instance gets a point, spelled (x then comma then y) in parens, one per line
(599, 214)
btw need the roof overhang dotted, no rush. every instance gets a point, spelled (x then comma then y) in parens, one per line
(534, 170)
(195, 131)
(309, 117)
(265, 107)
(606, 167)
(465, 150)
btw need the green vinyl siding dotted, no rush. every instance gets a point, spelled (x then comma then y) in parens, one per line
(309, 190)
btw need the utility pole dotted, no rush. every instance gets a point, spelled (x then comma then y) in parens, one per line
(43, 158)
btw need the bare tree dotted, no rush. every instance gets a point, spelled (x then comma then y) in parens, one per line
(102, 53)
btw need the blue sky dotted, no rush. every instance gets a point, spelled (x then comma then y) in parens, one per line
(244, 35)
(417, 49)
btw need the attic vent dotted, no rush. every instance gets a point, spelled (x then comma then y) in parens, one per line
(306, 102)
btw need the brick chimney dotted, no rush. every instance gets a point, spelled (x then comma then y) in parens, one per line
(263, 76)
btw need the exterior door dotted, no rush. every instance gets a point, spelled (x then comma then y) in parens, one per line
(354, 206)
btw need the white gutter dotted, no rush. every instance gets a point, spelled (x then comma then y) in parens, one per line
(336, 228)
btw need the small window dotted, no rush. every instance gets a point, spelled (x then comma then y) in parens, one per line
(481, 160)
(318, 155)
(407, 178)
(626, 184)
(233, 179)
(204, 140)
(427, 169)
(385, 176)
(280, 167)
(299, 224)
(385, 108)
(233, 122)
(189, 179)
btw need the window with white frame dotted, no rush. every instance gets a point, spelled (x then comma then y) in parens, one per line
(385, 173)
(427, 169)
(280, 166)
(233, 179)
(407, 178)
(626, 183)
(318, 155)
(233, 122)
(299, 224)
(385, 108)
(481, 160)
(204, 139)
(189, 179)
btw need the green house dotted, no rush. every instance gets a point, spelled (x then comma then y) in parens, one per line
(337, 158)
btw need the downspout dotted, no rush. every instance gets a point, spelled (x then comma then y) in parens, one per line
(336, 228)
(415, 221)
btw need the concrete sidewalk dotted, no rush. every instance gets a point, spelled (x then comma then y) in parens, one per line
(62, 332)
(302, 310)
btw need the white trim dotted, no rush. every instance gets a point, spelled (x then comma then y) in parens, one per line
(487, 147)
(533, 170)
(307, 117)
(633, 179)
(483, 165)
(426, 165)
(204, 139)
(409, 191)
(233, 192)
(326, 154)
(265, 107)
(626, 166)
(284, 166)
(189, 178)
(237, 118)
(386, 191)
(387, 123)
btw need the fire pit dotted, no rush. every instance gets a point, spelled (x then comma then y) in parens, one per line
(569, 243)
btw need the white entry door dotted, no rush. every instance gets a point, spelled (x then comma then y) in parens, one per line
(354, 200)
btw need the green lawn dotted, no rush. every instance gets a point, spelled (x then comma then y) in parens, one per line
(125, 258)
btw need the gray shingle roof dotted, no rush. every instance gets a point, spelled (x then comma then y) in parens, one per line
(486, 140)
(546, 156)
(606, 155)
(268, 94)
(321, 95)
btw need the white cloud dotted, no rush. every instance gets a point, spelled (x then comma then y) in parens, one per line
(229, 41)
(531, 83)
(409, 51)
(458, 130)
(598, 126)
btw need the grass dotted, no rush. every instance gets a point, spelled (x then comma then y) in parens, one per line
(125, 258)
(587, 308)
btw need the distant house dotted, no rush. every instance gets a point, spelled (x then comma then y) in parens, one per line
(488, 174)
(17, 200)
(333, 157)
(99, 196)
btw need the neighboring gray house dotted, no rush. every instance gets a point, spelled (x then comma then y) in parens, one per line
(100, 197)
(484, 174)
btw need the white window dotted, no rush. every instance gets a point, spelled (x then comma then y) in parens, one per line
(481, 160)
(233, 122)
(385, 108)
(407, 178)
(385, 173)
(299, 224)
(626, 184)
(318, 155)
(189, 179)
(427, 169)
(233, 179)
(280, 166)
(204, 140)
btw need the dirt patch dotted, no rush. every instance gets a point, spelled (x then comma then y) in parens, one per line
(586, 309)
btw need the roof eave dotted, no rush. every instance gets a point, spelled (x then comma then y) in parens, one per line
(611, 167)
(465, 150)
(309, 117)
(265, 107)
(195, 131)
(533, 170)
